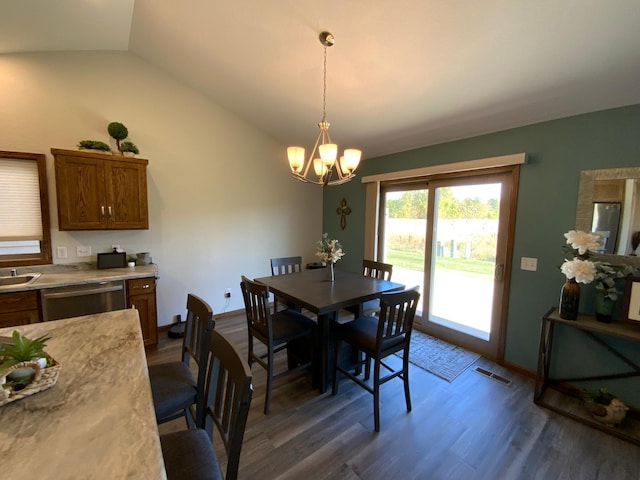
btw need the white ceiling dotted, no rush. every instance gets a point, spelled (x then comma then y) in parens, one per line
(402, 74)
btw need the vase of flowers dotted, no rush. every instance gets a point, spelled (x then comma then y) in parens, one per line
(581, 269)
(577, 270)
(329, 251)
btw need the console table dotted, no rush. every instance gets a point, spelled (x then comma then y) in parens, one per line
(558, 395)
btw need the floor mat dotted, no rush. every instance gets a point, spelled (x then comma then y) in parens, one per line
(439, 357)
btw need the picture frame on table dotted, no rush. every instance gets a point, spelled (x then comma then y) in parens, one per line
(631, 301)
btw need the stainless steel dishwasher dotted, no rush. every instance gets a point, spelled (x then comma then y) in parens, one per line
(84, 299)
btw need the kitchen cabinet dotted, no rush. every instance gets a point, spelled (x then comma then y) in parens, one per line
(18, 308)
(98, 191)
(141, 295)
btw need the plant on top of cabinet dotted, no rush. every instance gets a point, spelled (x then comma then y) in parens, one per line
(93, 145)
(118, 132)
(129, 147)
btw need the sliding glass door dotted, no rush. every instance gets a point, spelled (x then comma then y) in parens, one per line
(450, 237)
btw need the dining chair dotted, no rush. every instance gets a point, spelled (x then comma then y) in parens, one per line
(174, 389)
(379, 337)
(277, 332)
(373, 269)
(189, 454)
(284, 266)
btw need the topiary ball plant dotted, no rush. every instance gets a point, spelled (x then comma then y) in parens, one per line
(117, 131)
(94, 145)
(129, 147)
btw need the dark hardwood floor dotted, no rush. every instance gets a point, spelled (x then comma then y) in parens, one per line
(472, 428)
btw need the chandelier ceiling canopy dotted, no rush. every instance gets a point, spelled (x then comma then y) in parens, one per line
(327, 169)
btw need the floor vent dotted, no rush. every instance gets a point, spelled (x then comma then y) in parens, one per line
(497, 378)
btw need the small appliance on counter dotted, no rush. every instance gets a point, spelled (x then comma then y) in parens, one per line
(112, 260)
(143, 258)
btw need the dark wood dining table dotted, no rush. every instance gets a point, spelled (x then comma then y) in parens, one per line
(311, 290)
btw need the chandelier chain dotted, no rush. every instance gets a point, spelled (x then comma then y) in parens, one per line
(324, 88)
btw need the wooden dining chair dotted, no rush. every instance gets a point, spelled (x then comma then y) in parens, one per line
(277, 332)
(174, 389)
(373, 269)
(377, 338)
(284, 266)
(189, 454)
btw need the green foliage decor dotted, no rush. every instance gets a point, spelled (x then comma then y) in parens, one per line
(94, 145)
(117, 131)
(129, 147)
(22, 349)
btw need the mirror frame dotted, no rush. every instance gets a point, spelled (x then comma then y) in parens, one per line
(584, 209)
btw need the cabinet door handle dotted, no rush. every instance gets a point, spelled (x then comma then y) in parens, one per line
(110, 212)
(102, 210)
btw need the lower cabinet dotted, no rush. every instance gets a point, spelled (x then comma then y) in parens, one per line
(141, 295)
(19, 308)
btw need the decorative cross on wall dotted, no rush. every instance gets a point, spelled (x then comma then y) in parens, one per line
(343, 210)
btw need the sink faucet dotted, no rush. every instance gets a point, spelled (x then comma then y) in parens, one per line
(14, 272)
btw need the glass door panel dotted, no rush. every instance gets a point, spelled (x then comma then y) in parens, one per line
(403, 235)
(463, 253)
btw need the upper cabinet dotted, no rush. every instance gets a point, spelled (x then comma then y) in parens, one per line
(98, 191)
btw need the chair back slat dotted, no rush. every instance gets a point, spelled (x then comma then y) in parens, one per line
(228, 398)
(285, 265)
(379, 270)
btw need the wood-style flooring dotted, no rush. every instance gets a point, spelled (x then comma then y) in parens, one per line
(472, 428)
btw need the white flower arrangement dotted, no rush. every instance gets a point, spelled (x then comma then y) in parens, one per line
(583, 270)
(329, 250)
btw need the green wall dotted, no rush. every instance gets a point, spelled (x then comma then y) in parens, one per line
(556, 153)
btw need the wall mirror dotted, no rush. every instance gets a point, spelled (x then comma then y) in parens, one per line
(609, 204)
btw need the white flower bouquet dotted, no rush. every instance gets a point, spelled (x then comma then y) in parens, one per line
(329, 250)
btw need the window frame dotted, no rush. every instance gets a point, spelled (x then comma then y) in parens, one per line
(45, 256)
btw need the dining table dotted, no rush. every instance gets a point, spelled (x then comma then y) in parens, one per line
(313, 291)
(97, 420)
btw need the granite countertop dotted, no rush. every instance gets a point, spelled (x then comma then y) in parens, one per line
(98, 420)
(75, 274)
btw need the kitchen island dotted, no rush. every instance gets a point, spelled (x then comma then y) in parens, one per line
(98, 420)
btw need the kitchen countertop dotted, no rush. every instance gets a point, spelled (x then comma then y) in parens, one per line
(75, 274)
(98, 420)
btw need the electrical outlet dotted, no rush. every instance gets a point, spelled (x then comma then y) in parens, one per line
(227, 293)
(82, 251)
(530, 264)
(61, 252)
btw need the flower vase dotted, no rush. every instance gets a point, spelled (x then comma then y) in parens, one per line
(569, 300)
(330, 272)
(604, 308)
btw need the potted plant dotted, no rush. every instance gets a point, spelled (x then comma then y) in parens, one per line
(94, 145)
(604, 406)
(22, 349)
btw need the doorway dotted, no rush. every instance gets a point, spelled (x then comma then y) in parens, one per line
(451, 236)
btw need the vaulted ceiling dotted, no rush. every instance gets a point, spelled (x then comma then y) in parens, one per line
(402, 73)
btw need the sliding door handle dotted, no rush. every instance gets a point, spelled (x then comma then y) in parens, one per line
(498, 273)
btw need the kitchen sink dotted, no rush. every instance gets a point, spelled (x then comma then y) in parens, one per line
(24, 279)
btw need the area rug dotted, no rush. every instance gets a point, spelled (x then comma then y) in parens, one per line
(438, 357)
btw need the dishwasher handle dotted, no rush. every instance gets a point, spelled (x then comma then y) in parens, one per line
(80, 293)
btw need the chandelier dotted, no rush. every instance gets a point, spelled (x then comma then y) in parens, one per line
(323, 157)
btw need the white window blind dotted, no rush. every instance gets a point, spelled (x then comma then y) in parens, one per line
(20, 216)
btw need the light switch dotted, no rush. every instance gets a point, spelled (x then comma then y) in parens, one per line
(530, 264)
(61, 252)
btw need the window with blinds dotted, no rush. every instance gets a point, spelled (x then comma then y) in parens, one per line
(24, 222)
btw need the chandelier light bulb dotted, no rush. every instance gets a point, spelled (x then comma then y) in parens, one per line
(296, 158)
